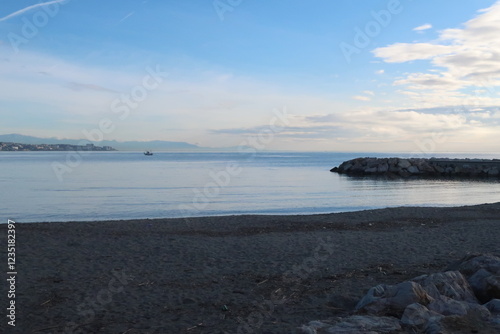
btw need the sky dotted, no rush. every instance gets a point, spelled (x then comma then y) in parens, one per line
(346, 75)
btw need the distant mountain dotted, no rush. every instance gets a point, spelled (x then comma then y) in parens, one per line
(149, 145)
(124, 146)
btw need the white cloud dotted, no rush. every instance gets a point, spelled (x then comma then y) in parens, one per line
(380, 72)
(378, 130)
(461, 61)
(423, 27)
(27, 9)
(369, 129)
(430, 81)
(361, 98)
(369, 92)
(404, 52)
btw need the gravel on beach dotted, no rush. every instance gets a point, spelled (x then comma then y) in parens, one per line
(233, 274)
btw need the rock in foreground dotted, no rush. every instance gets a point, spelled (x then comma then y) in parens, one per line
(440, 303)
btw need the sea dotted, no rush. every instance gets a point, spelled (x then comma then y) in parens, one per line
(94, 186)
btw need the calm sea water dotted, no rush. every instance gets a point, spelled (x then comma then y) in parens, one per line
(126, 185)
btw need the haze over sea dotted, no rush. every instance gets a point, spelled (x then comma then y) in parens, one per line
(129, 185)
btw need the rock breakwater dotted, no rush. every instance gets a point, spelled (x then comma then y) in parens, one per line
(420, 166)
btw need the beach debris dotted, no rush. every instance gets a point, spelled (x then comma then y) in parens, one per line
(466, 297)
(194, 327)
(46, 302)
(148, 282)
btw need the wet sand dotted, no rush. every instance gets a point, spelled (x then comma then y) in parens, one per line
(235, 274)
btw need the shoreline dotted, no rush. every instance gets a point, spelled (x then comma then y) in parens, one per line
(271, 274)
(280, 216)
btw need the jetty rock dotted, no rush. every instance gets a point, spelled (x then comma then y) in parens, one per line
(420, 167)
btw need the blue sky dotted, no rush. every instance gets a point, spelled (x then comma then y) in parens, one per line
(393, 75)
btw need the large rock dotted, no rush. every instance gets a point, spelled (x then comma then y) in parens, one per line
(418, 316)
(403, 163)
(470, 264)
(447, 306)
(486, 286)
(394, 169)
(493, 306)
(355, 324)
(470, 323)
(440, 303)
(373, 162)
(413, 170)
(371, 170)
(357, 167)
(493, 172)
(392, 161)
(451, 284)
(434, 326)
(346, 166)
(393, 299)
(439, 169)
(383, 168)
(425, 167)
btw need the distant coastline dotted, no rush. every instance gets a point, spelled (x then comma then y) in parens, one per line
(155, 145)
(13, 147)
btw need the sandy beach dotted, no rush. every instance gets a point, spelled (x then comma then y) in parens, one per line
(235, 274)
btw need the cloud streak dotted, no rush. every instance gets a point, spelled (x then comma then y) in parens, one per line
(81, 86)
(27, 9)
(423, 27)
(126, 17)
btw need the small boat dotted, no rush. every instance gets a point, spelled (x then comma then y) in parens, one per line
(148, 153)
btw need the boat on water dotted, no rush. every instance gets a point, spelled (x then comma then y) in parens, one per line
(148, 153)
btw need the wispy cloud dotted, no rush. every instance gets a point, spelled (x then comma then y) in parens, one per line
(126, 17)
(423, 27)
(367, 96)
(80, 86)
(27, 9)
